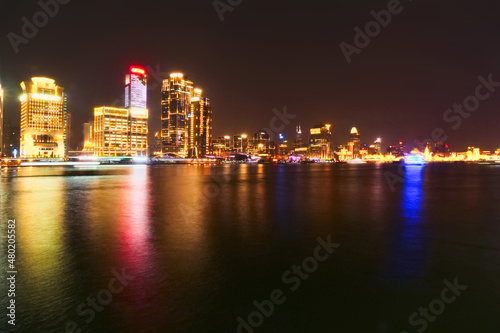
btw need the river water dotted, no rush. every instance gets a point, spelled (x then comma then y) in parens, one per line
(195, 248)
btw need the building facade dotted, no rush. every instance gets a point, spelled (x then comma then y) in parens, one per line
(354, 144)
(186, 118)
(124, 131)
(321, 142)
(199, 126)
(43, 119)
(175, 106)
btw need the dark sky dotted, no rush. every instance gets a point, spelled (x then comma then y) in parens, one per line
(268, 54)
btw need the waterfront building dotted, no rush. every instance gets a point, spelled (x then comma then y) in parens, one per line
(43, 119)
(186, 118)
(297, 143)
(240, 143)
(221, 144)
(354, 144)
(199, 126)
(320, 142)
(88, 137)
(176, 94)
(124, 131)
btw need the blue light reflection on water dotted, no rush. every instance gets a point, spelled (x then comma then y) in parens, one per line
(408, 254)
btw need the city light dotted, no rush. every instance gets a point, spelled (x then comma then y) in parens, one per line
(138, 70)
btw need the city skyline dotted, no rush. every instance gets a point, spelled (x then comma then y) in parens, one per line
(196, 139)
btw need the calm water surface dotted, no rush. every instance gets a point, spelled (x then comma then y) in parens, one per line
(203, 243)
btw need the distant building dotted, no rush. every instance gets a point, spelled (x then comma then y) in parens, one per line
(261, 143)
(320, 142)
(354, 144)
(441, 149)
(11, 135)
(124, 131)
(43, 119)
(297, 143)
(199, 126)
(186, 118)
(136, 91)
(155, 149)
(120, 131)
(401, 148)
(240, 143)
(221, 144)
(88, 137)
(176, 93)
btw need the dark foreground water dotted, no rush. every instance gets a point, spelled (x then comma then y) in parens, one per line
(201, 248)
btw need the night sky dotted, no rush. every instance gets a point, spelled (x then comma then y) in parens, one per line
(271, 54)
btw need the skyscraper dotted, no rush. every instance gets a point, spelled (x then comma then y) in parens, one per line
(43, 119)
(111, 131)
(88, 137)
(297, 143)
(124, 131)
(136, 91)
(186, 118)
(321, 141)
(176, 93)
(354, 144)
(199, 125)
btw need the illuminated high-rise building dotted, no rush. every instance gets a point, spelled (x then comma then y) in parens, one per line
(136, 90)
(186, 118)
(199, 125)
(297, 143)
(321, 142)
(1, 122)
(354, 144)
(88, 137)
(43, 119)
(124, 131)
(111, 131)
(177, 92)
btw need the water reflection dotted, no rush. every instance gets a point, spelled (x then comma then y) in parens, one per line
(42, 259)
(407, 257)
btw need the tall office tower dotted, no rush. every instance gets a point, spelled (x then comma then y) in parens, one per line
(354, 144)
(136, 90)
(378, 146)
(88, 137)
(124, 131)
(43, 119)
(111, 131)
(176, 92)
(321, 141)
(136, 96)
(297, 143)
(1, 122)
(199, 126)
